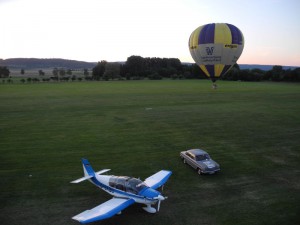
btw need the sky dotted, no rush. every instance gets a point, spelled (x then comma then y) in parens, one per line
(113, 30)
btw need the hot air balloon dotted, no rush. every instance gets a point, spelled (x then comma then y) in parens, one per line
(216, 47)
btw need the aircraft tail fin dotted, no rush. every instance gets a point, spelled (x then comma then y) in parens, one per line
(88, 172)
(87, 168)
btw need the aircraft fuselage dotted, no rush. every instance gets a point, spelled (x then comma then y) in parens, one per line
(122, 188)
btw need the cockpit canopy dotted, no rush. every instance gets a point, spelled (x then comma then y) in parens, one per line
(128, 184)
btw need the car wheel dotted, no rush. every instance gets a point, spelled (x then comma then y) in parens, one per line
(199, 171)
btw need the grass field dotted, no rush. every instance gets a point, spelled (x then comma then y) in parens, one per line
(137, 128)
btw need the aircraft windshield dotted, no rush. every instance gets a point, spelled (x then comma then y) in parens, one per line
(135, 185)
(128, 184)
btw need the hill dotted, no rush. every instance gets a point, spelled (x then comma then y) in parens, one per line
(262, 67)
(257, 66)
(35, 63)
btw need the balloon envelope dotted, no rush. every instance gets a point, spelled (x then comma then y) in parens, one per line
(216, 47)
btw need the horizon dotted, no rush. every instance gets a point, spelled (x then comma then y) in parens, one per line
(245, 64)
(113, 30)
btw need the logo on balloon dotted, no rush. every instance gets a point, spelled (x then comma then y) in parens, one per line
(209, 50)
(231, 46)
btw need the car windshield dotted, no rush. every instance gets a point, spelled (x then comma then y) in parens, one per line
(202, 157)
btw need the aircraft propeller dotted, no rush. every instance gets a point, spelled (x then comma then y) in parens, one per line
(160, 198)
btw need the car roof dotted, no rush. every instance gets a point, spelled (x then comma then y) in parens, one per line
(197, 151)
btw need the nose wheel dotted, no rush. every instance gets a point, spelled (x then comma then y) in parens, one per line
(149, 209)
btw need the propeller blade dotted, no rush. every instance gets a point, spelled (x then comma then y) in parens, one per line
(160, 198)
(158, 206)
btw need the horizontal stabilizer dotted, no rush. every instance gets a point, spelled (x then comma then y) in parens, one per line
(102, 171)
(81, 179)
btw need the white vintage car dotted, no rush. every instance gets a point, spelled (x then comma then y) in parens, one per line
(200, 161)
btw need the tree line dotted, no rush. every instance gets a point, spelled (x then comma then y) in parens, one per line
(277, 73)
(137, 67)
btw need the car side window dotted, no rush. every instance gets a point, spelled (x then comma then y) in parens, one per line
(190, 155)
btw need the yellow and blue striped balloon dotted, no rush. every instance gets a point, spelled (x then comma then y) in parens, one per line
(216, 47)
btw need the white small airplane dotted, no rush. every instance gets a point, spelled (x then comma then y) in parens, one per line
(126, 191)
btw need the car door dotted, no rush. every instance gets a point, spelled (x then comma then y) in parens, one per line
(191, 160)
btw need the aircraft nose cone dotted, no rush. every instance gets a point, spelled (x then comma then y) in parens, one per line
(149, 193)
(160, 198)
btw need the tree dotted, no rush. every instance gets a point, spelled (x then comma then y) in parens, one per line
(4, 72)
(99, 70)
(135, 65)
(138, 67)
(277, 73)
(41, 73)
(197, 72)
(175, 63)
(112, 70)
(55, 72)
(258, 74)
(69, 72)
(292, 75)
(155, 76)
(85, 72)
(62, 72)
(245, 75)
(233, 73)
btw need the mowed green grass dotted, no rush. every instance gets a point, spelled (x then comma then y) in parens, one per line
(137, 128)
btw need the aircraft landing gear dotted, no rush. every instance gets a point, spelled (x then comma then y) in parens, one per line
(149, 209)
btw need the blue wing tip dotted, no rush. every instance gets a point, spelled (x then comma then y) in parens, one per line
(84, 160)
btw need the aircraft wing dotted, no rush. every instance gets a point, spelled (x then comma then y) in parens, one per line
(158, 179)
(104, 211)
